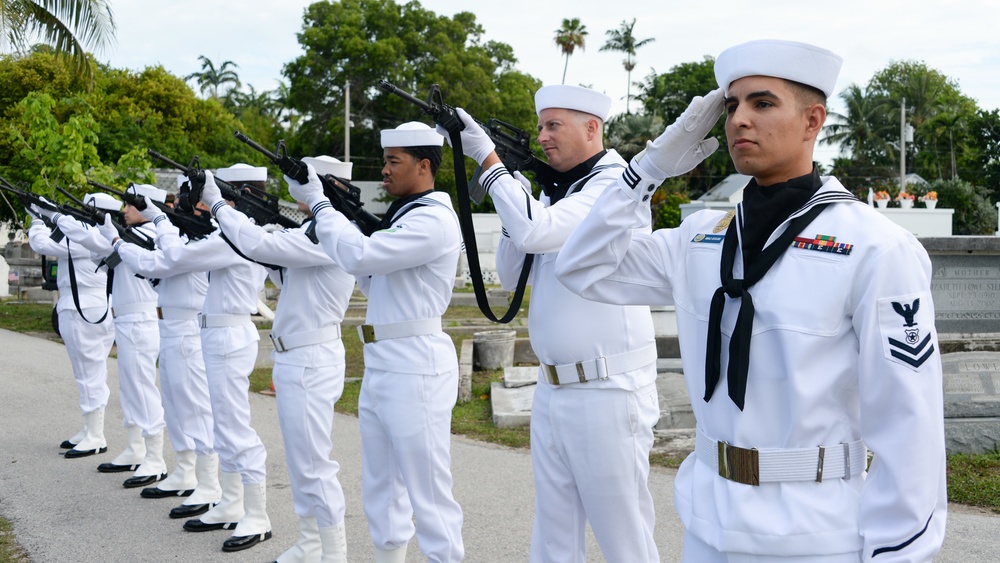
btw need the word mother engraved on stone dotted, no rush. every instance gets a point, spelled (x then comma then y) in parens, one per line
(966, 291)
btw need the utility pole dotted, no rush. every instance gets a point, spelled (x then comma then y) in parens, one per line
(347, 122)
(902, 146)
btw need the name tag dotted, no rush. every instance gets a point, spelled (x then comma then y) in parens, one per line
(710, 239)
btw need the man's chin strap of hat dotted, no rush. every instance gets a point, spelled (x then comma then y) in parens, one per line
(739, 343)
(469, 233)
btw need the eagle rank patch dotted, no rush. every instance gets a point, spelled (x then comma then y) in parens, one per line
(907, 330)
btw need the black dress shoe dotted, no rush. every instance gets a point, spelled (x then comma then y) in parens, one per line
(75, 453)
(115, 468)
(199, 526)
(156, 492)
(136, 482)
(67, 445)
(190, 510)
(239, 543)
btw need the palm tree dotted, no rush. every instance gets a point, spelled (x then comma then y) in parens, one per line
(628, 133)
(70, 27)
(211, 78)
(623, 41)
(570, 36)
(865, 127)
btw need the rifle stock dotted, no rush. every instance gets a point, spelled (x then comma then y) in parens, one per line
(347, 201)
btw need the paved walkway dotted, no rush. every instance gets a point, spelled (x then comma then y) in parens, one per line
(65, 511)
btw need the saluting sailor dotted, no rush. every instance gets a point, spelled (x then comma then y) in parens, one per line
(229, 347)
(137, 337)
(183, 382)
(596, 403)
(86, 330)
(309, 363)
(407, 270)
(806, 330)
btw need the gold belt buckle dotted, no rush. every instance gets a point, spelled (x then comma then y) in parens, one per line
(739, 464)
(368, 333)
(550, 374)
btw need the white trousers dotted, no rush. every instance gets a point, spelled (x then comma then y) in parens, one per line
(697, 551)
(590, 453)
(405, 424)
(240, 449)
(138, 346)
(187, 408)
(306, 396)
(88, 346)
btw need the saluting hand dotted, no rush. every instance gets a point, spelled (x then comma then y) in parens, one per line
(683, 145)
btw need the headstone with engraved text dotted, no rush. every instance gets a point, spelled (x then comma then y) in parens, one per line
(971, 401)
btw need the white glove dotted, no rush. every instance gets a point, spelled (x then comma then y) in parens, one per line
(524, 181)
(309, 193)
(271, 227)
(151, 212)
(210, 193)
(40, 211)
(476, 144)
(683, 145)
(107, 229)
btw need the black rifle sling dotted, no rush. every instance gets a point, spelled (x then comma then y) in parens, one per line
(471, 249)
(76, 294)
(279, 269)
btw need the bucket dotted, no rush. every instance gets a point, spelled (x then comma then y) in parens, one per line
(493, 349)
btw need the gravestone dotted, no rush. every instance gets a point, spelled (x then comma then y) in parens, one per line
(971, 401)
(965, 284)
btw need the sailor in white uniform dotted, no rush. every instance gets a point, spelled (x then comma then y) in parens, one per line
(407, 270)
(85, 326)
(137, 337)
(184, 384)
(308, 363)
(229, 347)
(806, 330)
(596, 403)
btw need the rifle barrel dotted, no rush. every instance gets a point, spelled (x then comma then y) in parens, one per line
(256, 146)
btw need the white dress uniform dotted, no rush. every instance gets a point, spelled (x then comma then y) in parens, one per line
(88, 344)
(590, 439)
(137, 337)
(183, 381)
(843, 355)
(308, 357)
(411, 371)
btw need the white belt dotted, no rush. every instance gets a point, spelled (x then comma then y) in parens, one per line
(176, 313)
(130, 308)
(375, 333)
(219, 320)
(305, 338)
(599, 368)
(753, 466)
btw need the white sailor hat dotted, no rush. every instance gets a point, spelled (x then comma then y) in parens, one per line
(240, 172)
(181, 179)
(573, 97)
(411, 134)
(102, 201)
(329, 165)
(798, 62)
(146, 190)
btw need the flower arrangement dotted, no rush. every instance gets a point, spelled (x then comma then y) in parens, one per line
(929, 196)
(905, 196)
(882, 194)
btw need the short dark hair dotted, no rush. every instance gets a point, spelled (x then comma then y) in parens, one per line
(433, 153)
(806, 94)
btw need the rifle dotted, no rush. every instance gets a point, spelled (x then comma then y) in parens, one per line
(192, 226)
(28, 199)
(254, 202)
(513, 145)
(95, 216)
(347, 201)
(515, 148)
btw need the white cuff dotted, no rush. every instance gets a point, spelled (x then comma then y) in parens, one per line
(638, 183)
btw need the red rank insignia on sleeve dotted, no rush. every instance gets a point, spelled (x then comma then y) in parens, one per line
(822, 243)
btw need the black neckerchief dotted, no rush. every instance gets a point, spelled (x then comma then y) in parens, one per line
(556, 184)
(766, 207)
(739, 343)
(395, 206)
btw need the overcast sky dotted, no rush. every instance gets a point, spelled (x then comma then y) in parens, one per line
(957, 38)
